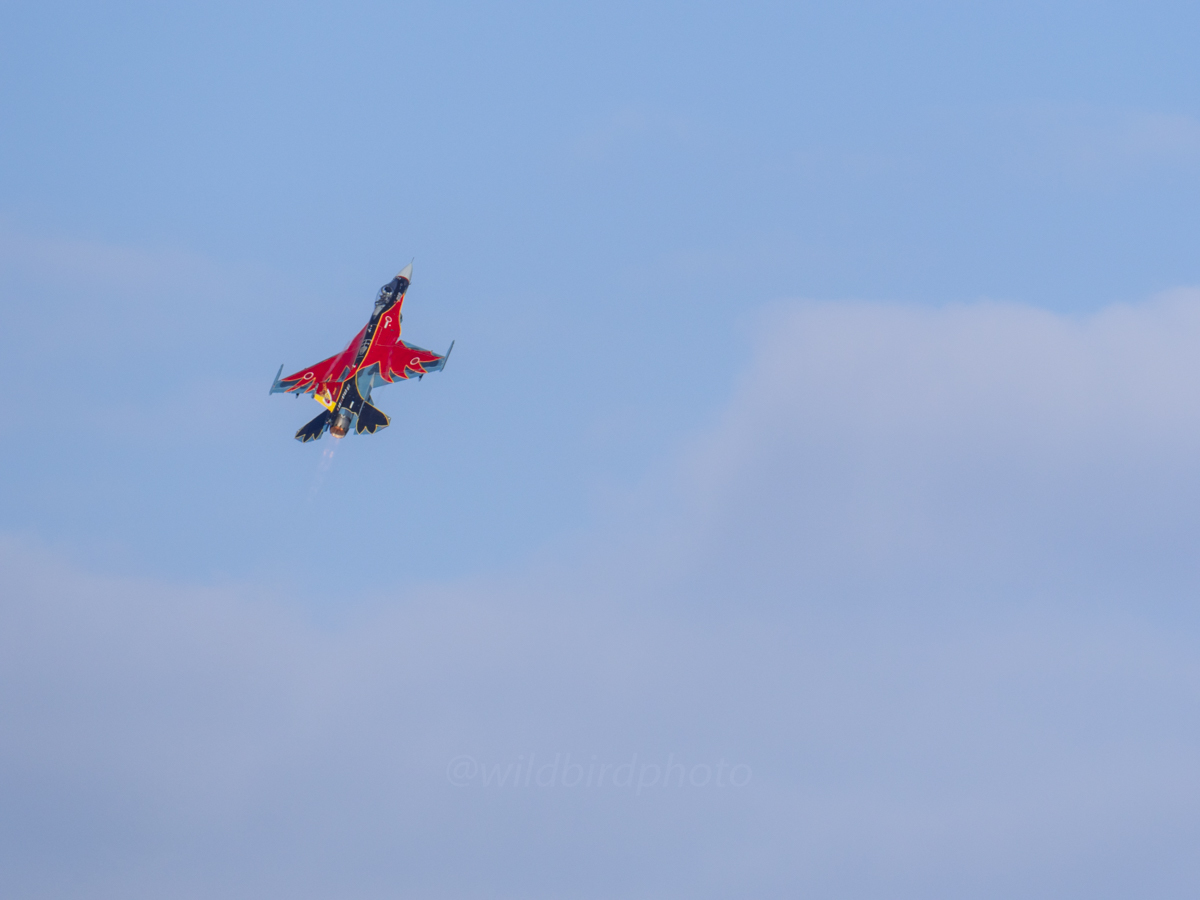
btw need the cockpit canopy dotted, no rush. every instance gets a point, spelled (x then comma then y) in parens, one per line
(389, 291)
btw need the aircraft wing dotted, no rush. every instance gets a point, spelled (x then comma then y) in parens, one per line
(334, 369)
(408, 360)
(404, 360)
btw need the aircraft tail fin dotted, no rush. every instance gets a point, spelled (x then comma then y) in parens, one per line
(314, 429)
(371, 419)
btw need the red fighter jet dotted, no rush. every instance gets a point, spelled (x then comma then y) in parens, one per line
(343, 383)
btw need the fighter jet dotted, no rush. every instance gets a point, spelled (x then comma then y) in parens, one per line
(343, 383)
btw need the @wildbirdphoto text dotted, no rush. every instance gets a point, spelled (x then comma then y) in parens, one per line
(565, 770)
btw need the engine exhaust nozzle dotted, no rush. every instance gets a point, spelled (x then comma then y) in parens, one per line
(341, 425)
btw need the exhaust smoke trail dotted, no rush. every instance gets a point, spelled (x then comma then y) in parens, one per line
(324, 464)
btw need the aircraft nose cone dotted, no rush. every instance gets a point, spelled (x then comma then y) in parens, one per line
(406, 272)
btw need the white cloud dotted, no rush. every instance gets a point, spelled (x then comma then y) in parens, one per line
(82, 265)
(1163, 136)
(930, 577)
(966, 444)
(1100, 145)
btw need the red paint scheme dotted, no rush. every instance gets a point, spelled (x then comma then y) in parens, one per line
(343, 383)
(396, 359)
(327, 374)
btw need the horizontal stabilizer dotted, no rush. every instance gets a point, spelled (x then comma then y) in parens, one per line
(314, 429)
(371, 419)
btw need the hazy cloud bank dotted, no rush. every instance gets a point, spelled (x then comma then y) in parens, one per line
(929, 578)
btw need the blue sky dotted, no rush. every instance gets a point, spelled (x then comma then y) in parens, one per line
(599, 201)
(821, 403)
